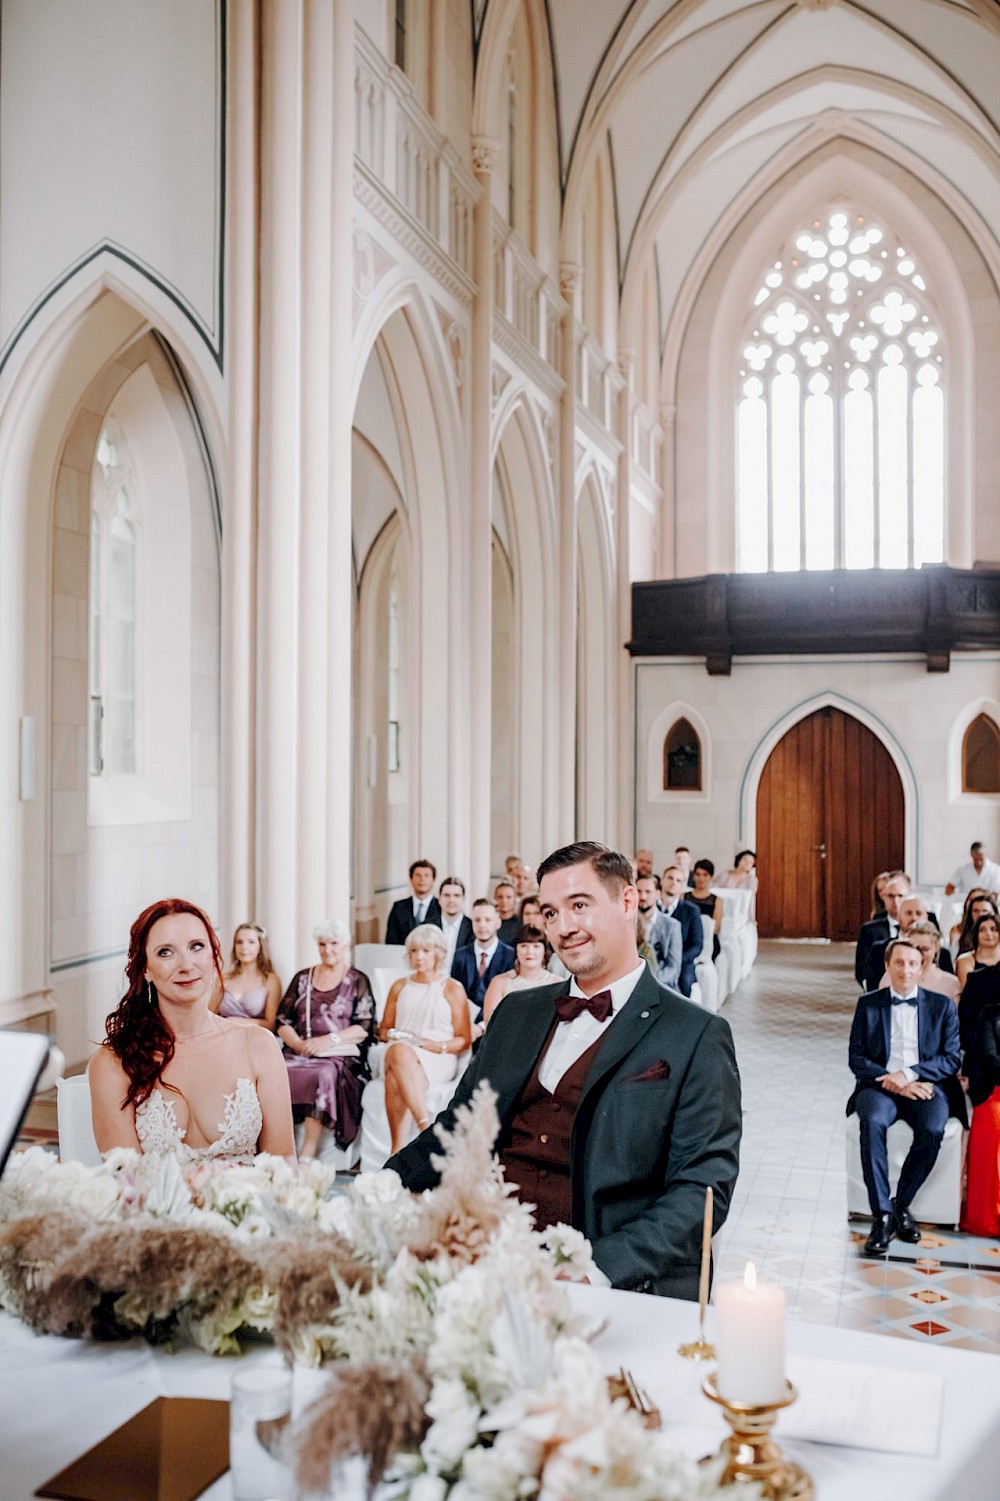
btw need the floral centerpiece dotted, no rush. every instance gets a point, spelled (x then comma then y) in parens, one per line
(458, 1365)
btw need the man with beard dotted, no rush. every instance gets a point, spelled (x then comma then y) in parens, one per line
(618, 1101)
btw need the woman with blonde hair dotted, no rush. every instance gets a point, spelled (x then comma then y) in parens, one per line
(251, 989)
(326, 1022)
(426, 1026)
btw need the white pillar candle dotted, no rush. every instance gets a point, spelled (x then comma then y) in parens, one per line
(750, 1339)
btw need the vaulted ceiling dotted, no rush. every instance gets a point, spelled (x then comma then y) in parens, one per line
(702, 104)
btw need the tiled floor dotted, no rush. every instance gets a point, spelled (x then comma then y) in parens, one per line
(791, 1019)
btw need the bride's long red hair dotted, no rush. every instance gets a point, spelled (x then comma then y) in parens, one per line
(136, 1031)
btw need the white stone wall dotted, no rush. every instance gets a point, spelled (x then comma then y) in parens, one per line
(919, 716)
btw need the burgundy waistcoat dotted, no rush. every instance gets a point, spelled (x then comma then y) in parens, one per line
(536, 1157)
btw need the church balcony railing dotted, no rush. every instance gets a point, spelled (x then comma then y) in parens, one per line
(931, 611)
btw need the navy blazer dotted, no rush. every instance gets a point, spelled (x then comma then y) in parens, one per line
(692, 929)
(876, 931)
(465, 969)
(401, 921)
(938, 1040)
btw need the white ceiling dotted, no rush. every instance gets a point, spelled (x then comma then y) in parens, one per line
(694, 99)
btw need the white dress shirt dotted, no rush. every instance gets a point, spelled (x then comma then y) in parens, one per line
(967, 876)
(572, 1039)
(489, 951)
(904, 1047)
(450, 927)
(418, 903)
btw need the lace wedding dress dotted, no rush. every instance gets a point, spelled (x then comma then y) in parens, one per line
(194, 1072)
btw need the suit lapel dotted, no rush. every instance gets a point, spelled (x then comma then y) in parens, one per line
(886, 1019)
(639, 1013)
(523, 1050)
(928, 1047)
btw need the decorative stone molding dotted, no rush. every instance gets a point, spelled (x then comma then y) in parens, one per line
(484, 154)
(570, 273)
(626, 364)
(411, 237)
(814, 4)
(527, 359)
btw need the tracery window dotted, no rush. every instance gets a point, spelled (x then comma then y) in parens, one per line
(981, 756)
(112, 610)
(682, 758)
(840, 414)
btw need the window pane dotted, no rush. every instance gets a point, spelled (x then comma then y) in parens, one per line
(819, 474)
(928, 468)
(859, 474)
(892, 463)
(751, 536)
(785, 465)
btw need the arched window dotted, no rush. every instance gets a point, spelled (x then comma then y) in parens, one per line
(112, 606)
(981, 756)
(682, 758)
(840, 415)
(399, 48)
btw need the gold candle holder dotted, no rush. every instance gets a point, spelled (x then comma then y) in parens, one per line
(751, 1455)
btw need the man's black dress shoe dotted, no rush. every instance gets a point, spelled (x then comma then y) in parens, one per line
(904, 1226)
(881, 1234)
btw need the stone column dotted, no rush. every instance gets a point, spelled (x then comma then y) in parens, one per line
(569, 277)
(237, 803)
(667, 537)
(279, 478)
(340, 575)
(480, 696)
(622, 669)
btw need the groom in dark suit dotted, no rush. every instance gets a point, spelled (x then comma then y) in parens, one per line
(410, 911)
(904, 1054)
(619, 1102)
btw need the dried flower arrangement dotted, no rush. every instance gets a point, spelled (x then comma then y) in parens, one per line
(458, 1367)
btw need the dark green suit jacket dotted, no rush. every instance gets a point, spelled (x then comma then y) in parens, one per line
(659, 1122)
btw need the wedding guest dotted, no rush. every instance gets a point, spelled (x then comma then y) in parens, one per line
(926, 939)
(642, 862)
(743, 875)
(530, 915)
(880, 929)
(904, 1054)
(173, 1076)
(982, 1202)
(455, 925)
(251, 990)
(980, 991)
(692, 929)
(977, 904)
(475, 965)
(419, 907)
(912, 909)
(702, 896)
(978, 870)
(985, 951)
(530, 969)
(877, 902)
(660, 938)
(682, 860)
(524, 882)
(505, 901)
(326, 1022)
(426, 1026)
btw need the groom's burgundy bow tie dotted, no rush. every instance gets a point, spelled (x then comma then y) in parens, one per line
(569, 1007)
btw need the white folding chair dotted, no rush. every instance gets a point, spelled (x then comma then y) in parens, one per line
(75, 1122)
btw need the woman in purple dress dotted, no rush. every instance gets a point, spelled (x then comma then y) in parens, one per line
(251, 988)
(326, 1022)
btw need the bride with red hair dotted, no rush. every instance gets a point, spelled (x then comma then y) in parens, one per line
(171, 1075)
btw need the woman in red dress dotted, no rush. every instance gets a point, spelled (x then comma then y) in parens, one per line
(982, 1061)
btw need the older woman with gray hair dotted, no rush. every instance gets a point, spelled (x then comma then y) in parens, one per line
(326, 1022)
(426, 1026)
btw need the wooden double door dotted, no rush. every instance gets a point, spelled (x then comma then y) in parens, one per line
(830, 816)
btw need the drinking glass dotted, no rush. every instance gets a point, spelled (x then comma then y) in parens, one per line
(259, 1413)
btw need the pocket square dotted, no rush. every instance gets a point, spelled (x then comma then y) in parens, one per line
(658, 1070)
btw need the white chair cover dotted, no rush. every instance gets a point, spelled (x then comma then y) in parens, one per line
(76, 1126)
(939, 1201)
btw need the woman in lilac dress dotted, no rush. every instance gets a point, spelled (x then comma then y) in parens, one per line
(251, 989)
(326, 1022)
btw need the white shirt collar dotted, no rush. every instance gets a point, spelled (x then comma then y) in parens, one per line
(451, 922)
(620, 989)
(911, 995)
(488, 949)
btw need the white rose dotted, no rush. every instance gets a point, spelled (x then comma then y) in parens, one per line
(428, 1488)
(448, 1439)
(337, 1217)
(98, 1195)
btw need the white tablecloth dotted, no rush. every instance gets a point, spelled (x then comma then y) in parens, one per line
(58, 1397)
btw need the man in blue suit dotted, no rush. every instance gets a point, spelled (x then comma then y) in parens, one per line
(904, 1054)
(689, 917)
(475, 965)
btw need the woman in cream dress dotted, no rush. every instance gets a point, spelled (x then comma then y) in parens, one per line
(426, 1026)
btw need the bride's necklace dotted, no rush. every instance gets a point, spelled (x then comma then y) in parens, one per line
(205, 1032)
